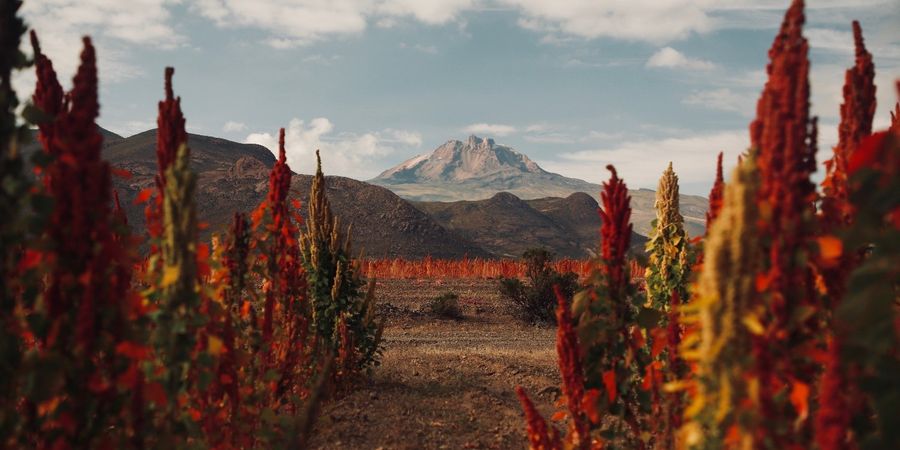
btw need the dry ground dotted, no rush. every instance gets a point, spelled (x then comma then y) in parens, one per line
(445, 383)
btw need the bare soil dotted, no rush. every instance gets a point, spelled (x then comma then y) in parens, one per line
(445, 383)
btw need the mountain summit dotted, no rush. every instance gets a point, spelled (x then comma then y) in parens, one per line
(478, 168)
(461, 161)
(475, 169)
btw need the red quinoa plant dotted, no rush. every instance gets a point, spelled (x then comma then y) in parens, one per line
(613, 324)
(286, 339)
(857, 112)
(865, 354)
(715, 195)
(428, 267)
(83, 343)
(757, 289)
(783, 139)
(602, 355)
(581, 411)
(174, 279)
(840, 398)
(87, 362)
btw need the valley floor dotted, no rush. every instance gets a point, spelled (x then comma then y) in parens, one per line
(445, 383)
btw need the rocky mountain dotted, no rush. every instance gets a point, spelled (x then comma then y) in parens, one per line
(479, 168)
(506, 225)
(234, 177)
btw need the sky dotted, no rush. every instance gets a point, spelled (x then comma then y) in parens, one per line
(573, 84)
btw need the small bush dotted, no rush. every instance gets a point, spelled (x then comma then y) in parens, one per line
(446, 306)
(535, 302)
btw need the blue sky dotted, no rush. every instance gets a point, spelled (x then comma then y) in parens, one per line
(574, 84)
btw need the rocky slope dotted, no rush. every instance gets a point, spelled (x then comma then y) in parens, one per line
(234, 177)
(507, 225)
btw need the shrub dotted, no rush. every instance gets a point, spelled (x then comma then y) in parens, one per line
(445, 306)
(535, 301)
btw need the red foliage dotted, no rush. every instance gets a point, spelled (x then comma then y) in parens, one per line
(832, 420)
(540, 436)
(859, 95)
(857, 113)
(170, 133)
(615, 234)
(471, 268)
(48, 94)
(234, 260)
(716, 195)
(285, 294)
(834, 413)
(284, 255)
(571, 369)
(87, 295)
(783, 136)
(78, 179)
(676, 369)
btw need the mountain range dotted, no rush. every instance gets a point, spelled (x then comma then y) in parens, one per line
(495, 212)
(478, 168)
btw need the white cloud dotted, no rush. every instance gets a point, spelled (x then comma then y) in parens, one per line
(670, 58)
(291, 23)
(429, 49)
(640, 162)
(660, 22)
(723, 99)
(301, 22)
(347, 154)
(114, 26)
(551, 133)
(640, 20)
(432, 12)
(752, 79)
(321, 59)
(234, 127)
(490, 129)
(841, 42)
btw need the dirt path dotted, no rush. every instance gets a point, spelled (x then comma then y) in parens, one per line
(445, 383)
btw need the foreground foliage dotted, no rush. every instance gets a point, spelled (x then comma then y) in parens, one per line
(789, 338)
(194, 345)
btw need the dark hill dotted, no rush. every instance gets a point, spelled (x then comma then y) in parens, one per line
(507, 226)
(234, 177)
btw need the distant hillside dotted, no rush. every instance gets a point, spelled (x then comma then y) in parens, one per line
(477, 169)
(108, 138)
(234, 177)
(507, 226)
